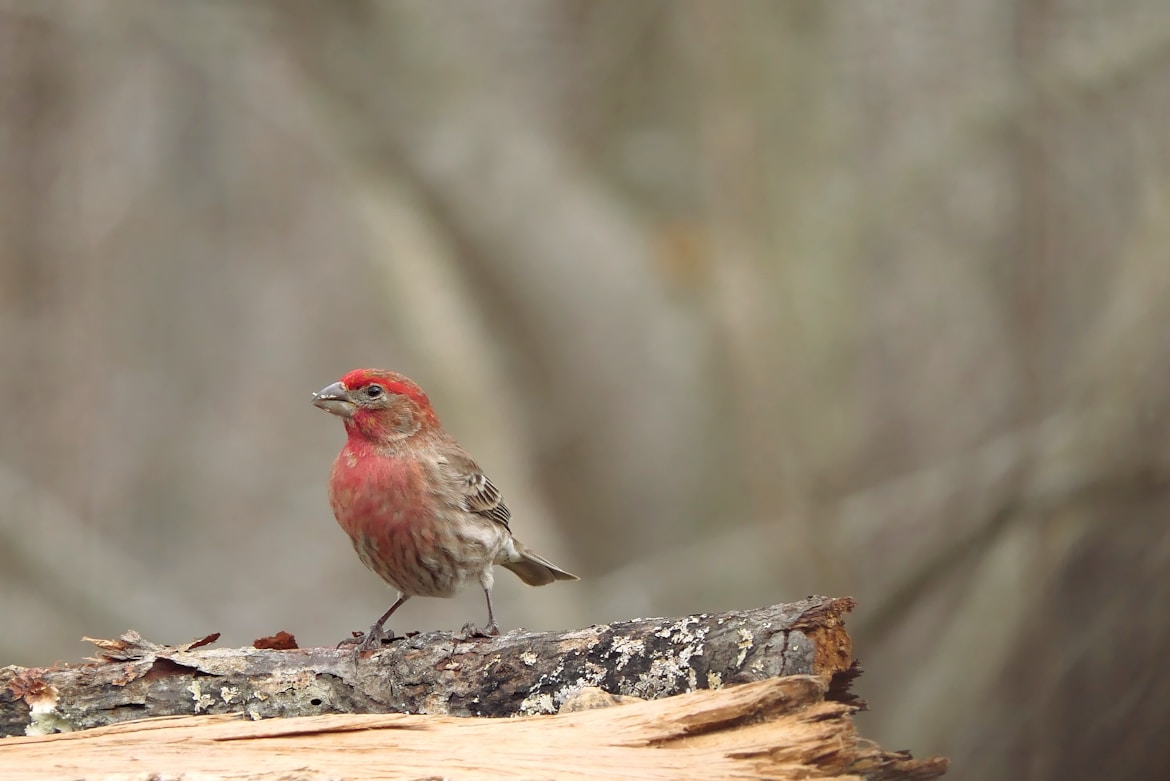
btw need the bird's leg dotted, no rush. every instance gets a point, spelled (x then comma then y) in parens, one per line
(491, 629)
(376, 633)
(470, 630)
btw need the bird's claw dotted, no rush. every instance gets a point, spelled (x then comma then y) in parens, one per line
(470, 630)
(362, 642)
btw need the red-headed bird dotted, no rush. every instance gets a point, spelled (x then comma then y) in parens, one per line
(420, 512)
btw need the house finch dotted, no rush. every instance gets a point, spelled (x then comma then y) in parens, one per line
(418, 509)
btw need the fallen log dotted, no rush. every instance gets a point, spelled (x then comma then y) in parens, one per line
(777, 705)
(519, 673)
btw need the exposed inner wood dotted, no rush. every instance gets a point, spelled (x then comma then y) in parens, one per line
(778, 728)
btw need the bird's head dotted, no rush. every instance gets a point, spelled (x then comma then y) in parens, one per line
(377, 405)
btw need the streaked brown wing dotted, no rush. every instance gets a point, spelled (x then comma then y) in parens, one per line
(479, 494)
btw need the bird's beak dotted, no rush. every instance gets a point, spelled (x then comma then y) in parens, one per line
(335, 399)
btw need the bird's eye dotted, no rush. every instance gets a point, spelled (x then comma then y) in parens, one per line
(374, 391)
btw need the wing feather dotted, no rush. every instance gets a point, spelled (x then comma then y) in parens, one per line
(477, 494)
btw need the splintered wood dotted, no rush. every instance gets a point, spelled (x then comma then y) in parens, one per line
(781, 728)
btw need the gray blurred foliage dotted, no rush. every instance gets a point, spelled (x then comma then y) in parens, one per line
(738, 301)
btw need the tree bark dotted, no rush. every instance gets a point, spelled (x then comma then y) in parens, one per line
(519, 673)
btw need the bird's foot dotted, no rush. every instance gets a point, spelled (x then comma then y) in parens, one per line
(470, 630)
(362, 642)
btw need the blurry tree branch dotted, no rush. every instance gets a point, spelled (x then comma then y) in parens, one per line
(578, 293)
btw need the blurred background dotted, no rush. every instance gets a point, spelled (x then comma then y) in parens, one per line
(738, 302)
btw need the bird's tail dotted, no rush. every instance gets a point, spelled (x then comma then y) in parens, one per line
(533, 569)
